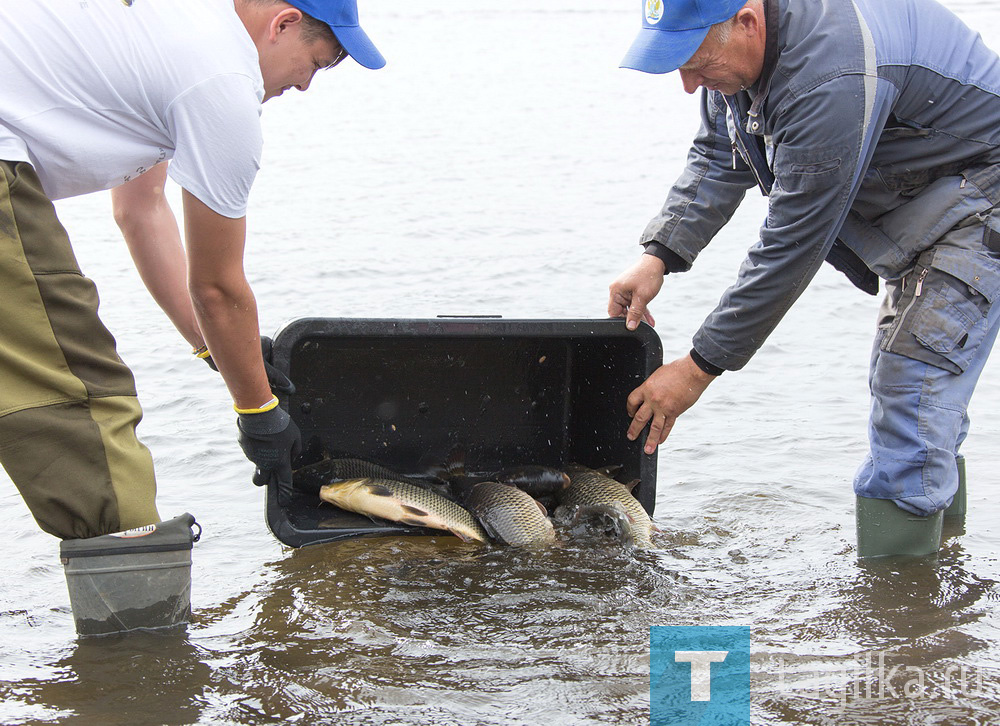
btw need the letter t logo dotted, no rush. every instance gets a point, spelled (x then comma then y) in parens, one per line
(701, 670)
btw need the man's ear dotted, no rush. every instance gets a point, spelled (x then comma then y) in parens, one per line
(283, 21)
(748, 21)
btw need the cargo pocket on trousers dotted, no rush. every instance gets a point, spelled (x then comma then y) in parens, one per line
(943, 316)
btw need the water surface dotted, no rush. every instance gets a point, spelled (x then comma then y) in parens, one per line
(503, 164)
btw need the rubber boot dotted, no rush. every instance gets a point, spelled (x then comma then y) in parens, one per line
(884, 529)
(138, 579)
(958, 506)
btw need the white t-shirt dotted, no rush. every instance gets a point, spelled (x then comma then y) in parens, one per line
(95, 92)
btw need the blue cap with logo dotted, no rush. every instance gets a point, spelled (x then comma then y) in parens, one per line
(673, 30)
(342, 17)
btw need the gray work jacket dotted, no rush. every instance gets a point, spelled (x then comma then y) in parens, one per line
(874, 129)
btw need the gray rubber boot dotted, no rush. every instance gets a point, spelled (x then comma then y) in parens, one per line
(138, 579)
(884, 530)
(958, 506)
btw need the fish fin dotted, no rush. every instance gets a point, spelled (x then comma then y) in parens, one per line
(545, 512)
(464, 537)
(631, 485)
(550, 504)
(455, 463)
(380, 490)
(416, 511)
(413, 522)
(490, 530)
(435, 472)
(484, 523)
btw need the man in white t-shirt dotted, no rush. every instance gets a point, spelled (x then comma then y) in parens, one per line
(95, 94)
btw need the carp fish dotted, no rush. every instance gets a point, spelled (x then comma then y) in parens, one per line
(509, 515)
(403, 502)
(312, 477)
(540, 482)
(592, 492)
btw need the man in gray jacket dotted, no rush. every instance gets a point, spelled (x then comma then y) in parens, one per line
(874, 130)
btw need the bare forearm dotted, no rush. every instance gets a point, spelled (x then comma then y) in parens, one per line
(163, 269)
(223, 303)
(154, 241)
(228, 320)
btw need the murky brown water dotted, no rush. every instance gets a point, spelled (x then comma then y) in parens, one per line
(503, 164)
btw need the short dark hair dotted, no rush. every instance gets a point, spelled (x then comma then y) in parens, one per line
(312, 29)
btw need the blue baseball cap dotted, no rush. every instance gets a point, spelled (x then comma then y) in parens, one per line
(342, 17)
(673, 30)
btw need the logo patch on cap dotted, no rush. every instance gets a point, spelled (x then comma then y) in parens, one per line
(654, 11)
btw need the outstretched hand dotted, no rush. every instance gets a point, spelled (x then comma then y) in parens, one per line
(670, 391)
(634, 289)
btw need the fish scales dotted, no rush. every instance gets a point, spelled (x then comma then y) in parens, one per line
(403, 502)
(509, 514)
(351, 468)
(589, 488)
(311, 477)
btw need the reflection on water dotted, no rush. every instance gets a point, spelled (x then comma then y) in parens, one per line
(908, 650)
(503, 164)
(429, 630)
(141, 678)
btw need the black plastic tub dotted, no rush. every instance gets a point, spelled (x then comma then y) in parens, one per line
(406, 393)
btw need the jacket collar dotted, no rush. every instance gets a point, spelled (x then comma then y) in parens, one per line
(755, 124)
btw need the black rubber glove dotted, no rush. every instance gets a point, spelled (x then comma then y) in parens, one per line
(271, 440)
(277, 380)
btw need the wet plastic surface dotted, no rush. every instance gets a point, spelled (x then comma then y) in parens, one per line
(134, 580)
(408, 393)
